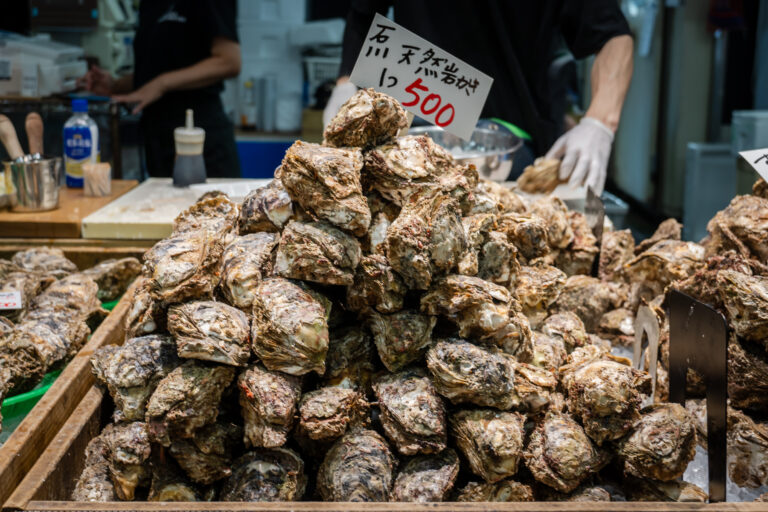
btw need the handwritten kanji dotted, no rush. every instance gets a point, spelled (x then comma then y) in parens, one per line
(466, 84)
(763, 157)
(427, 71)
(449, 74)
(428, 54)
(377, 51)
(381, 37)
(408, 53)
(387, 81)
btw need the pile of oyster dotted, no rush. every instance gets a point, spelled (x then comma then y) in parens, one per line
(59, 308)
(377, 324)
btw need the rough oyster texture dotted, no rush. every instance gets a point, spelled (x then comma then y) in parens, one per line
(127, 450)
(606, 396)
(618, 326)
(427, 478)
(212, 214)
(747, 450)
(145, 315)
(504, 491)
(661, 443)
(507, 199)
(482, 310)
(477, 227)
(426, 238)
(350, 359)
(186, 399)
(616, 250)
(665, 262)
(170, 484)
(674, 490)
(358, 467)
(210, 331)
(529, 233)
(28, 285)
(317, 252)
(497, 259)
(465, 373)
(266, 475)
(579, 257)
(45, 260)
(207, 457)
(541, 177)
(537, 288)
(703, 285)
(326, 183)
(412, 413)
(244, 263)
(589, 298)
(747, 375)
(289, 329)
(492, 441)
(94, 483)
(132, 371)
(327, 413)
(376, 286)
(548, 352)
(742, 226)
(269, 401)
(368, 118)
(670, 229)
(560, 455)
(266, 209)
(113, 277)
(553, 211)
(401, 338)
(745, 298)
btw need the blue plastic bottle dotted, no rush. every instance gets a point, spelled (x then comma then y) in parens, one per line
(81, 143)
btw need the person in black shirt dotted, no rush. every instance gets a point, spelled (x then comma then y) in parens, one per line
(514, 42)
(183, 50)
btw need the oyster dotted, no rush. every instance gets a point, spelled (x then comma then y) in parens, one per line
(747, 375)
(28, 285)
(266, 209)
(534, 387)
(427, 478)
(350, 359)
(747, 450)
(537, 288)
(266, 475)
(401, 338)
(541, 177)
(529, 233)
(554, 213)
(210, 331)
(325, 182)
(289, 328)
(661, 443)
(44, 260)
(186, 399)
(317, 252)
(132, 371)
(760, 188)
(269, 402)
(113, 277)
(212, 214)
(703, 284)
(665, 262)
(589, 298)
(507, 199)
(548, 352)
(169, 484)
(560, 455)
(618, 326)
(207, 457)
(74, 295)
(426, 238)
(465, 373)
(498, 259)
(745, 298)
(358, 467)
(742, 226)
(492, 441)
(482, 310)
(670, 229)
(244, 263)
(644, 489)
(616, 250)
(94, 483)
(327, 413)
(504, 491)
(568, 327)
(579, 257)
(145, 315)
(377, 286)
(476, 229)
(412, 413)
(368, 118)
(128, 449)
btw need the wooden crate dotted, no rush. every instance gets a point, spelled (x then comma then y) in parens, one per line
(83, 253)
(50, 482)
(43, 422)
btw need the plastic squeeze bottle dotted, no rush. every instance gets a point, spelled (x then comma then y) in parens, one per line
(189, 166)
(81, 143)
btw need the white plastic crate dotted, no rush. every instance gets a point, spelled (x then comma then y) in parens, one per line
(320, 70)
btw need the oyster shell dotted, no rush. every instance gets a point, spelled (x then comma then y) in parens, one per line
(670, 229)
(745, 298)
(703, 285)
(589, 298)
(747, 375)
(245, 262)
(44, 260)
(113, 277)
(568, 327)
(377, 286)
(169, 484)
(665, 262)
(553, 211)
(537, 288)
(616, 250)
(145, 315)
(94, 483)
(509, 200)
(128, 449)
(527, 232)
(266, 475)
(207, 457)
(269, 402)
(504, 491)
(350, 359)
(618, 326)
(267, 209)
(492, 441)
(747, 450)
(675, 490)
(541, 177)
(742, 226)
(401, 338)
(213, 214)
(579, 257)
(327, 413)
(368, 118)
(427, 478)
(548, 352)
(210, 331)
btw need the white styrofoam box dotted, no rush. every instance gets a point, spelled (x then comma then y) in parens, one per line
(272, 10)
(710, 184)
(318, 33)
(749, 130)
(288, 113)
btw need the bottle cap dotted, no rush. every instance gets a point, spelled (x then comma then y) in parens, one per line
(189, 139)
(79, 105)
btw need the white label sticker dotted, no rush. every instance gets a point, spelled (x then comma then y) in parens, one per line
(10, 300)
(426, 80)
(758, 159)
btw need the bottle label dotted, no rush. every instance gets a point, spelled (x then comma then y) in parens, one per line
(79, 148)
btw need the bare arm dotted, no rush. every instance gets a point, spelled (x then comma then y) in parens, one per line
(611, 73)
(123, 84)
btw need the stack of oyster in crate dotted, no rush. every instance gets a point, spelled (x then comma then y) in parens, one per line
(377, 324)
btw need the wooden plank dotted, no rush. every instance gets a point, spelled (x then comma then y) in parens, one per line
(63, 222)
(84, 256)
(39, 427)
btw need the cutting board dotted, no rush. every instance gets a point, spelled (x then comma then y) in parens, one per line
(63, 222)
(147, 212)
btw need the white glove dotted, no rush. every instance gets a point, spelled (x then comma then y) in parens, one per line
(339, 96)
(584, 149)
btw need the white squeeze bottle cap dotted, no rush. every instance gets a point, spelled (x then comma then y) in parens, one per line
(189, 139)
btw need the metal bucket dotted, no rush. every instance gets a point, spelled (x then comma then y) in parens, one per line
(33, 186)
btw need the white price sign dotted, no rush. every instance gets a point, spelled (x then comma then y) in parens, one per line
(10, 300)
(426, 80)
(758, 159)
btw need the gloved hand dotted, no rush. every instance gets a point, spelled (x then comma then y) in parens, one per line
(340, 94)
(584, 149)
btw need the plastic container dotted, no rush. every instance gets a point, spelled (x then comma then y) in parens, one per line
(15, 408)
(189, 166)
(81, 143)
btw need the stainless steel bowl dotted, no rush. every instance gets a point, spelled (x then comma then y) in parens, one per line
(33, 186)
(491, 151)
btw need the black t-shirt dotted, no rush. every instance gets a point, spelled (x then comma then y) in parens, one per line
(175, 34)
(512, 41)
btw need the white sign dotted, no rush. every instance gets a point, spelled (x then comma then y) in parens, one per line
(758, 159)
(427, 81)
(10, 300)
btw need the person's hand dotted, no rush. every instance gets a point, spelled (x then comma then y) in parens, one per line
(340, 94)
(143, 96)
(585, 150)
(96, 81)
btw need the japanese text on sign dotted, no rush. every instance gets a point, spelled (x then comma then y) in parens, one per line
(758, 159)
(10, 300)
(429, 82)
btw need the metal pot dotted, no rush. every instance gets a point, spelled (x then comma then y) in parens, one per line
(33, 186)
(491, 151)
